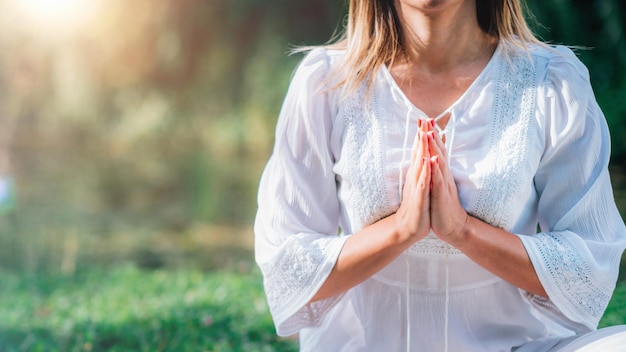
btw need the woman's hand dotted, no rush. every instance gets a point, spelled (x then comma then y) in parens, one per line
(447, 216)
(412, 218)
(495, 249)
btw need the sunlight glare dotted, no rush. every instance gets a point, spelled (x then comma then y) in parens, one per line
(60, 13)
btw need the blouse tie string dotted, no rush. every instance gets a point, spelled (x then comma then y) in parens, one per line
(442, 132)
(406, 253)
(446, 317)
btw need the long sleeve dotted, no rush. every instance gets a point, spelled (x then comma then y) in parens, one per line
(577, 254)
(296, 241)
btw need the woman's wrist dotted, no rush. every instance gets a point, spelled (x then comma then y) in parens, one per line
(401, 234)
(459, 236)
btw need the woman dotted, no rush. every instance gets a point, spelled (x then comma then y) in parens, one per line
(463, 164)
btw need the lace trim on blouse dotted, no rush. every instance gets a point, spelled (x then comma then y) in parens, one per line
(572, 274)
(287, 280)
(364, 144)
(514, 105)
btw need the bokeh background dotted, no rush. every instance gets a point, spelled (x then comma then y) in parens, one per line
(132, 137)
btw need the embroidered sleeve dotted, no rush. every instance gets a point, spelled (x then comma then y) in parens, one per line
(577, 254)
(296, 241)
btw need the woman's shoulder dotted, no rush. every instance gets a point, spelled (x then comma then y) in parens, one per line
(311, 71)
(320, 56)
(317, 69)
(565, 81)
(550, 61)
(561, 63)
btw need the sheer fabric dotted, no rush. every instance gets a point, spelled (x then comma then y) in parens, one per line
(528, 147)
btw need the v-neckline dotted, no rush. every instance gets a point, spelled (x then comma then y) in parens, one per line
(392, 81)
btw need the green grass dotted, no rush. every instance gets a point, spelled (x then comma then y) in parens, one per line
(129, 309)
(616, 312)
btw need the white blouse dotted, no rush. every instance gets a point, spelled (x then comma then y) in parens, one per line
(528, 147)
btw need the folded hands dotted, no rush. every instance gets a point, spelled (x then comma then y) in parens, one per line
(429, 198)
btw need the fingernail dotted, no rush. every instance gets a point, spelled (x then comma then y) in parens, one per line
(419, 123)
(432, 123)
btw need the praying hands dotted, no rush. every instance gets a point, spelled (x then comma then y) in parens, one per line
(430, 198)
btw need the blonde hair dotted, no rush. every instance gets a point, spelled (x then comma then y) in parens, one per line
(373, 35)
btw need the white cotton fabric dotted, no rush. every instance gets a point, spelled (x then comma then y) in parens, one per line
(528, 148)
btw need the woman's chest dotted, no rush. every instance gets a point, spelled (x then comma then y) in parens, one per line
(493, 139)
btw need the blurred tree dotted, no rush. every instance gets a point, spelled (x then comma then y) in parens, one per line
(155, 116)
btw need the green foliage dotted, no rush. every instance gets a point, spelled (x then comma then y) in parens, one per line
(616, 311)
(171, 123)
(126, 309)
